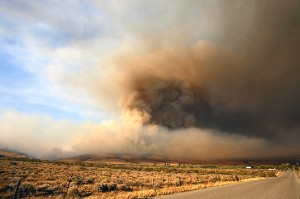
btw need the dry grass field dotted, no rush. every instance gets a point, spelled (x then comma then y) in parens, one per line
(61, 179)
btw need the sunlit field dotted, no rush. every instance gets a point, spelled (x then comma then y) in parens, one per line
(58, 179)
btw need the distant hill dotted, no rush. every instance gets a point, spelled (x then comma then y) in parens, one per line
(136, 159)
(131, 158)
(13, 155)
(117, 159)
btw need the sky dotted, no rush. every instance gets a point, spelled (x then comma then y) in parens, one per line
(179, 79)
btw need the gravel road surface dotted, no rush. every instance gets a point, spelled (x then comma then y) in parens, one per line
(287, 186)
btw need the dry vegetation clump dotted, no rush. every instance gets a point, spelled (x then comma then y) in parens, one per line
(40, 179)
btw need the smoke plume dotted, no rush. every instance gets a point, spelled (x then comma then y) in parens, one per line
(243, 83)
(190, 79)
(228, 70)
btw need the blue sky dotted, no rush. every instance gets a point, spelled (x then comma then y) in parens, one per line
(31, 32)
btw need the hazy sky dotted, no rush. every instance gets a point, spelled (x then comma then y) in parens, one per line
(181, 79)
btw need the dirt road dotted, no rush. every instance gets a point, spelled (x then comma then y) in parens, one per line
(287, 186)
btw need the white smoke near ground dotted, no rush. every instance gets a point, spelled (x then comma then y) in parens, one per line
(46, 138)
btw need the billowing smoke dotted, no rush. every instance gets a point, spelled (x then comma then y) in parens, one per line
(226, 69)
(246, 82)
(191, 79)
(186, 88)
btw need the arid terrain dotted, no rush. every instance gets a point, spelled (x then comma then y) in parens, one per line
(94, 179)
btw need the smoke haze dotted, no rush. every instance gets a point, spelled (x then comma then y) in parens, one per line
(193, 79)
(66, 139)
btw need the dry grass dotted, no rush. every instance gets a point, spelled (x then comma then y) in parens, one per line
(164, 191)
(94, 180)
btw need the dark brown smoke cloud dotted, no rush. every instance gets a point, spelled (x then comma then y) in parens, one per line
(245, 80)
